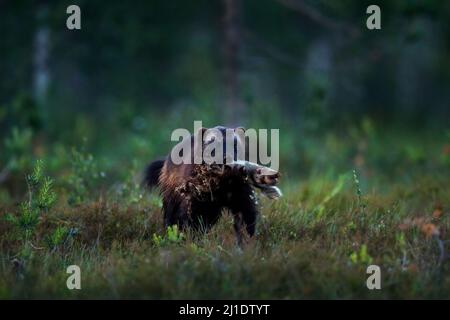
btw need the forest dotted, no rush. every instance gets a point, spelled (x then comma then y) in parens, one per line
(364, 147)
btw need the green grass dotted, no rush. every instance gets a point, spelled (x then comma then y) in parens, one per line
(354, 197)
(305, 248)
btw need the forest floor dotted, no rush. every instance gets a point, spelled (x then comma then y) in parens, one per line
(315, 242)
(352, 198)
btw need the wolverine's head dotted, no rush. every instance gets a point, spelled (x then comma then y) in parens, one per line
(221, 145)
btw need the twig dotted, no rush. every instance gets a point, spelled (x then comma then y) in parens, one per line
(36, 248)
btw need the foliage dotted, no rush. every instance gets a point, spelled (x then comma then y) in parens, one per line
(361, 257)
(17, 149)
(294, 255)
(58, 237)
(40, 200)
(84, 178)
(315, 242)
(131, 191)
(173, 236)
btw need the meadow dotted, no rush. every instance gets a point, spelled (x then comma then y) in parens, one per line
(354, 196)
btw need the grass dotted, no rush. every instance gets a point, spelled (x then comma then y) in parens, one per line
(305, 248)
(366, 198)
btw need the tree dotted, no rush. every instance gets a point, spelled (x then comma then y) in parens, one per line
(232, 36)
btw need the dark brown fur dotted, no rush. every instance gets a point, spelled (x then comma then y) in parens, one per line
(195, 195)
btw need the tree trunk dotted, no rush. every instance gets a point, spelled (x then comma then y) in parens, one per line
(41, 55)
(234, 112)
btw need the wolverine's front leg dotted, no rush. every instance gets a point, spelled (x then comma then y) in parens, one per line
(245, 212)
(176, 211)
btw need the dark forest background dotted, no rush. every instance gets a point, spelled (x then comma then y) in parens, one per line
(305, 59)
(133, 73)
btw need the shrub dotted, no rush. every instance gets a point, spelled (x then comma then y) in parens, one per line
(84, 177)
(173, 236)
(40, 199)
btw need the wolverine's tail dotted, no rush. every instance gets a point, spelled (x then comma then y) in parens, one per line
(152, 172)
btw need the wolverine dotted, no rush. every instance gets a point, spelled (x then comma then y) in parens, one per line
(195, 194)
